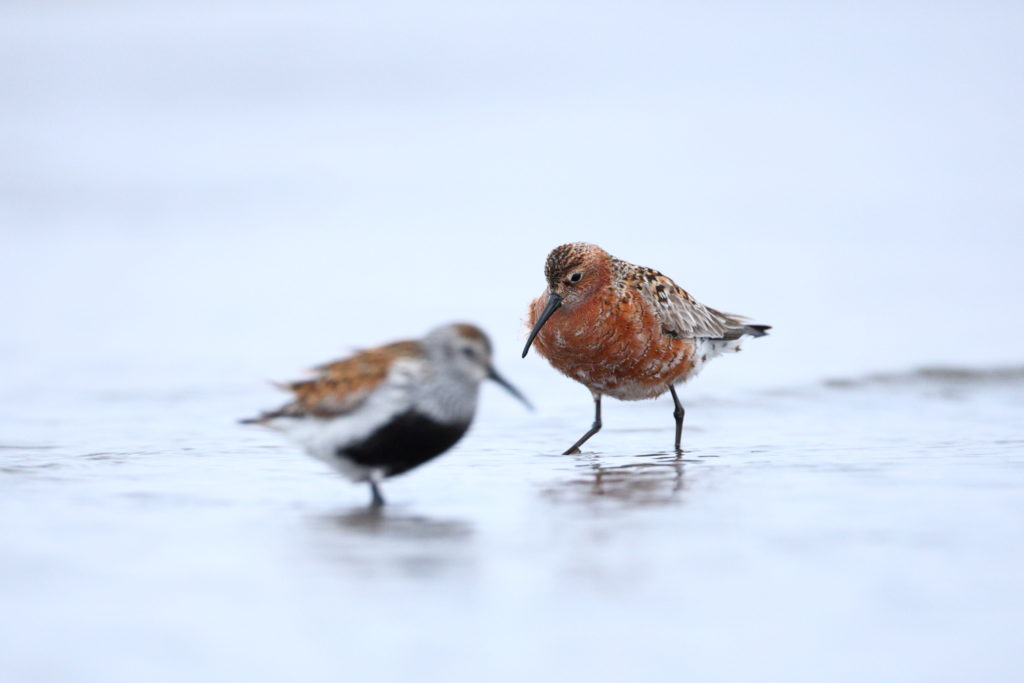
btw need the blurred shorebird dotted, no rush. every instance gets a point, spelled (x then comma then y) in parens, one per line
(625, 331)
(386, 410)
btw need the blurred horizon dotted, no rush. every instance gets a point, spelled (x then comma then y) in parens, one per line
(270, 184)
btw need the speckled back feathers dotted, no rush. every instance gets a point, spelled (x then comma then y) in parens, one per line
(681, 315)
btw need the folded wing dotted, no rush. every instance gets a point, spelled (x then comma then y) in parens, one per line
(342, 386)
(683, 316)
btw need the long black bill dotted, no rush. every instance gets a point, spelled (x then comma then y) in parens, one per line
(554, 301)
(493, 374)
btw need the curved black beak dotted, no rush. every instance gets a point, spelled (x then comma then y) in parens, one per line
(554, 301)
(493, 374)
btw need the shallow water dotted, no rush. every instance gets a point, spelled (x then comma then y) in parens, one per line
(868, 530)
(198, 197)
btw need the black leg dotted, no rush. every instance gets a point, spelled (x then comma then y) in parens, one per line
(378, 500)
(594, 428)
(679, 413)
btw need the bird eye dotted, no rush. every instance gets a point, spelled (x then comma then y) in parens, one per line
(575, 277)
(468, 352)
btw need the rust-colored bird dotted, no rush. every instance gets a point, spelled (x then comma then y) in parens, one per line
(625, 331)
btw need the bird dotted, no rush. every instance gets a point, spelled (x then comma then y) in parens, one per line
(625, 331)
(383, 411)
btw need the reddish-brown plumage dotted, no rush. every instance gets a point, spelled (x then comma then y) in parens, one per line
(624, 330)
(612, 342)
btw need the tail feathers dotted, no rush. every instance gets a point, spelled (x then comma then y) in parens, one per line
(746, 331)
(287, 410)
(265, 417)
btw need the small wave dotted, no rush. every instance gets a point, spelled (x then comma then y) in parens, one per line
(939, 374)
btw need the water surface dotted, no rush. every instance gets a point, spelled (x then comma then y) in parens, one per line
(196, 198)
(866, 529)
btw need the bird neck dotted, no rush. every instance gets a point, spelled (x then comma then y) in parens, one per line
(448, 397)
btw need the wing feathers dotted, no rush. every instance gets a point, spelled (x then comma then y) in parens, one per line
(341, 386)
(683, 316)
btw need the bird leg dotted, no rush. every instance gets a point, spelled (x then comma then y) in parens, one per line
(679, 413)
(594, 428)
(377, 500)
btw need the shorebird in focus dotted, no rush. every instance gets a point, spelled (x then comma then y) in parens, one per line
(386, 410)
(625, 331)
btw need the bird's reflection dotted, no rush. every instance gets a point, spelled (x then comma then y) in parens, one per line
(385, 521)
(385, 541)
(647, 479)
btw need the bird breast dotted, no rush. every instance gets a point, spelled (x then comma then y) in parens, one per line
(613, 343)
